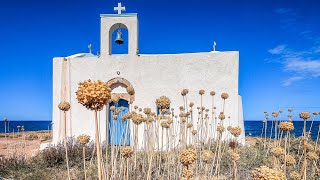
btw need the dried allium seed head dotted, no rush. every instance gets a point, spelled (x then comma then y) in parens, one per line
(112, 108)
(275, 114)
(136, 107)
(224, 96)
(189, 125)
(290, 160)
(184, 92)
(286, 126)
(201, 92)
(295, 175)
(191, 104)
(222, 116)
(233, 144)
(312, 156)
(277, 151)
(304, 115)
(115, 98)
(165, 124)
(137, 119)
(280, 111)
(149, 119)
(264, 173)
(220, 128)
(64, 106)
(115, 117)
(234, 156)
(5, 119)
(181, 108)
(235, 131)
(194, 132)
(126, 152)
(126, 116)
(206, 156)
(309, 147)
(290, 110)
(212, 93)
(140, 109)
(147, 111)
(83, 139)
(315, 113)
(183, 120)
(163, 102)
(93, 95)
(188, 156)
(130, 90)
(170, 121)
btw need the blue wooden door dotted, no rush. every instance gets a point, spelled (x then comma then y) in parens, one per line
(119, 130)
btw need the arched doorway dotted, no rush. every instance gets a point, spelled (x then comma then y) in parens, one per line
(119, 129)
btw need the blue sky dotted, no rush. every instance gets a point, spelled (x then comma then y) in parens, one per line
(279, 44)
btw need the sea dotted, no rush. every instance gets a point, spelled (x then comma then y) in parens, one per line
(252, 128)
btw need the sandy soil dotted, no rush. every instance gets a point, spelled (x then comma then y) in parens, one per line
(27, 143)
(13, 145)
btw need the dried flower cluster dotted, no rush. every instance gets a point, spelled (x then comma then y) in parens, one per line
(312, 156)
(275, 114)
(222, 116)
(220, 128)
(235, 131)
(201, 92)
(184, 92)
(295, 175)
(304, 115)
(212, 93)
(224, 96)
(64, 106)
(188, 156)
(163, 102)
(286, 126)
(277, 151)
(126, 152)
(234, 156)
(93, 95)
(290, 160)
(83, 139)
(206, 156)
(265, 173)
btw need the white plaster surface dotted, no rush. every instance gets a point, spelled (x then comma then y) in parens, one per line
(151, 76)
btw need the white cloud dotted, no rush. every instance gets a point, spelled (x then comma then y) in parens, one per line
(305, 67)
(302, 63)
(289, 81)
(278, 50)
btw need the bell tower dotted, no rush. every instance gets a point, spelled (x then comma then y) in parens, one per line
(111, 22)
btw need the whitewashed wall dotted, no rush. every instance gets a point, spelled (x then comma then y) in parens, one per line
(152, 76)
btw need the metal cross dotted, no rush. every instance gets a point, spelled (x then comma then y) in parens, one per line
(90, 48)
(119, 8)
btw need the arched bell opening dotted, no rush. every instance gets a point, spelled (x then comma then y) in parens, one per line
(119, 39)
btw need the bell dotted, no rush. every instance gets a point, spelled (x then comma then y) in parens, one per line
(119, 39)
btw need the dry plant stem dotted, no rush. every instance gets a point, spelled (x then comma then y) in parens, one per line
(285, 153)
(317, 138)
(84, 162)
(304, 166)
(265, 135)
(65, 141)
(98, 146)
(311, 124)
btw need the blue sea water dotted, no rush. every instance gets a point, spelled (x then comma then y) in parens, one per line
(252, 128)
(28, 125)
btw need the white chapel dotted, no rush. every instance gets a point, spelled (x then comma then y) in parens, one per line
(151, 76)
